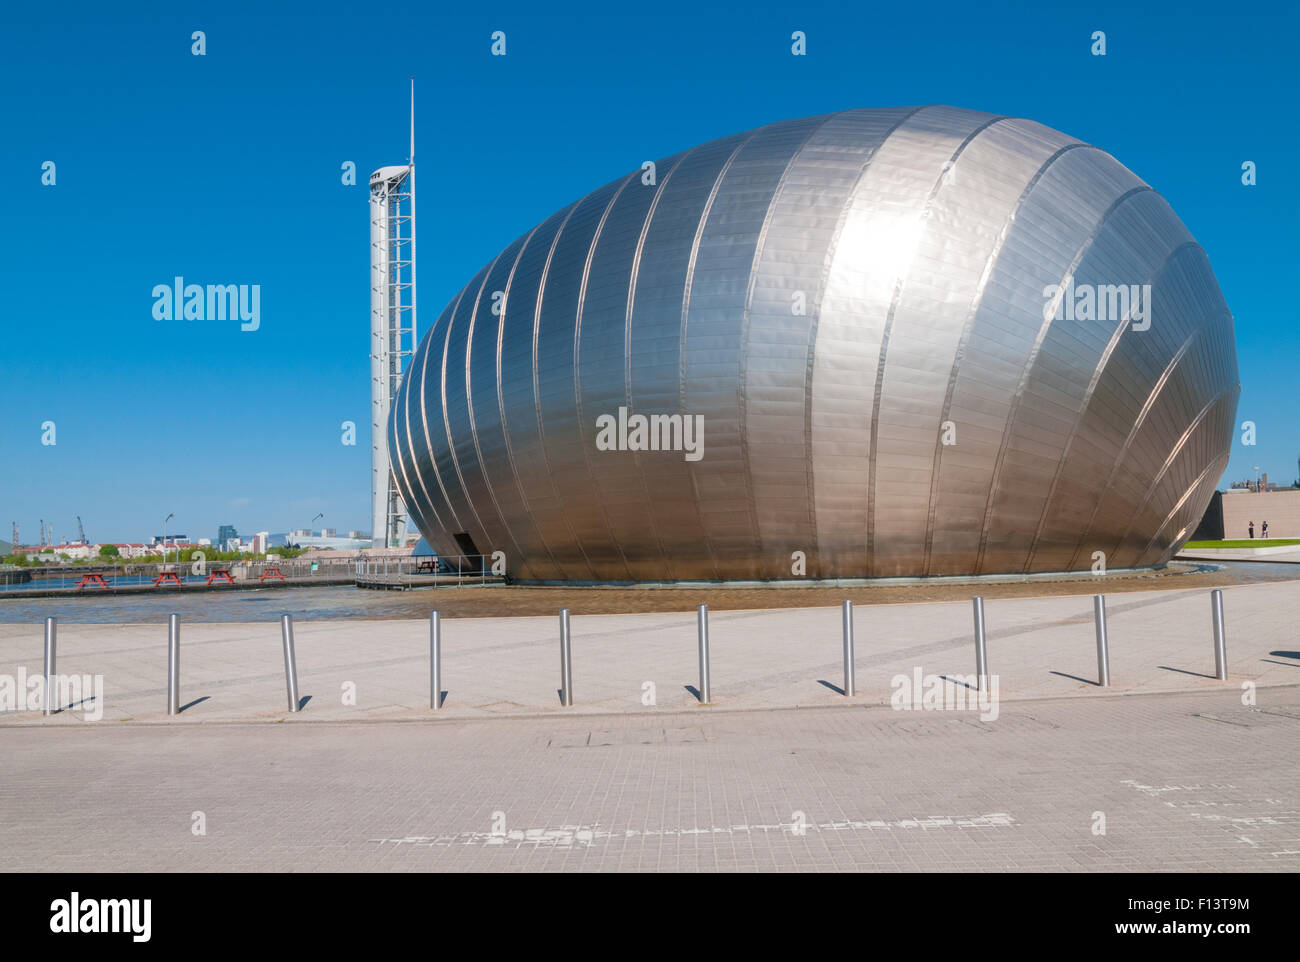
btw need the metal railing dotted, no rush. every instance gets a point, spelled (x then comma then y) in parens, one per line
(406, 570)
(134, 574)
(427, 570)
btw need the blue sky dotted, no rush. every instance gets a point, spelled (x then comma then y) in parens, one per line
(225, 168)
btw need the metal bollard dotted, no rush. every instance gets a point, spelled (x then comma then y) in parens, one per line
(1220, 642)
(981, 656)
(435, 660)
(702, 616)
(848, 649)
(566, 660)
(51, 630)
(1103, 650)
(174, 665)
(290, 663)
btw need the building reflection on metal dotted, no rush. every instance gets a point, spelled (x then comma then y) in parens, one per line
(919, 341)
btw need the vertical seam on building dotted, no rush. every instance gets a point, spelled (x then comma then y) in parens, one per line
(1027, 369)
(411, 504)
(968, 326)
(884, 343)
(446, 418)
(686, 311)
(633, 278)
(1086, 401)
(501, 408)
(742, 375)
(469, 398)
(1174, 452)
(1200, 478)
(424, 416)
(577, 372)
(537, 391)
(1165, 377)
(815, 324)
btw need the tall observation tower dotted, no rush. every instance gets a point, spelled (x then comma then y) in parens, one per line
(392, 328)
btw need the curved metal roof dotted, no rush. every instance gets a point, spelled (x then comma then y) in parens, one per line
(882, 318)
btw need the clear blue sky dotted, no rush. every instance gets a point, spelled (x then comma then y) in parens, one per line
(225, 168)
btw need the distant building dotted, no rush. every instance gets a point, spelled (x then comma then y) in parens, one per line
(1230, 517)
(225, 533)
(1262, 483)
(322, 542)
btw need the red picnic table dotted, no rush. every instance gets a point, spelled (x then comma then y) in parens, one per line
(92, 578)
(222, 574)
(271, 573)
(167, 578)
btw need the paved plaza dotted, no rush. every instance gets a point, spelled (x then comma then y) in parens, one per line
(1191, 782)
(1169, 769)
(1160, 641)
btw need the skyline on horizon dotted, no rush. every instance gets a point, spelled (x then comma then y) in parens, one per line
(228, 168)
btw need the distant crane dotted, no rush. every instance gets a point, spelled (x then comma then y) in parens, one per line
(81, 532)
(15, 536)
(42, 532)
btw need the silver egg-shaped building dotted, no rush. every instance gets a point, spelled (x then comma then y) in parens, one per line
(896, 342)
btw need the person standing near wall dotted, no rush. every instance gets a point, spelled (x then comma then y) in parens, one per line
(1263, 530)
(1251, 529)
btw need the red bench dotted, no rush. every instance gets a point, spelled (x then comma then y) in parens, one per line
(92, 578)
(168, 578)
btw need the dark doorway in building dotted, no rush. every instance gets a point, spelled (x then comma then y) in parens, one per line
(471, 558)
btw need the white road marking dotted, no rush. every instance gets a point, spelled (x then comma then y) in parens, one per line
(586, 835)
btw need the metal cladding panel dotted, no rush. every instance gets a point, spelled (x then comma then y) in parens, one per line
(782, 316)
(1135, 238)
(603, 374)
(564, 433)
(491, 483)
(836, 448)
(866, 312)
(1059, 210)
(406, 466)
(1146, 395)
(714, 359)
(431, 497)
(517, 393)
(454, 456)
(658, 317)
(965, 222)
